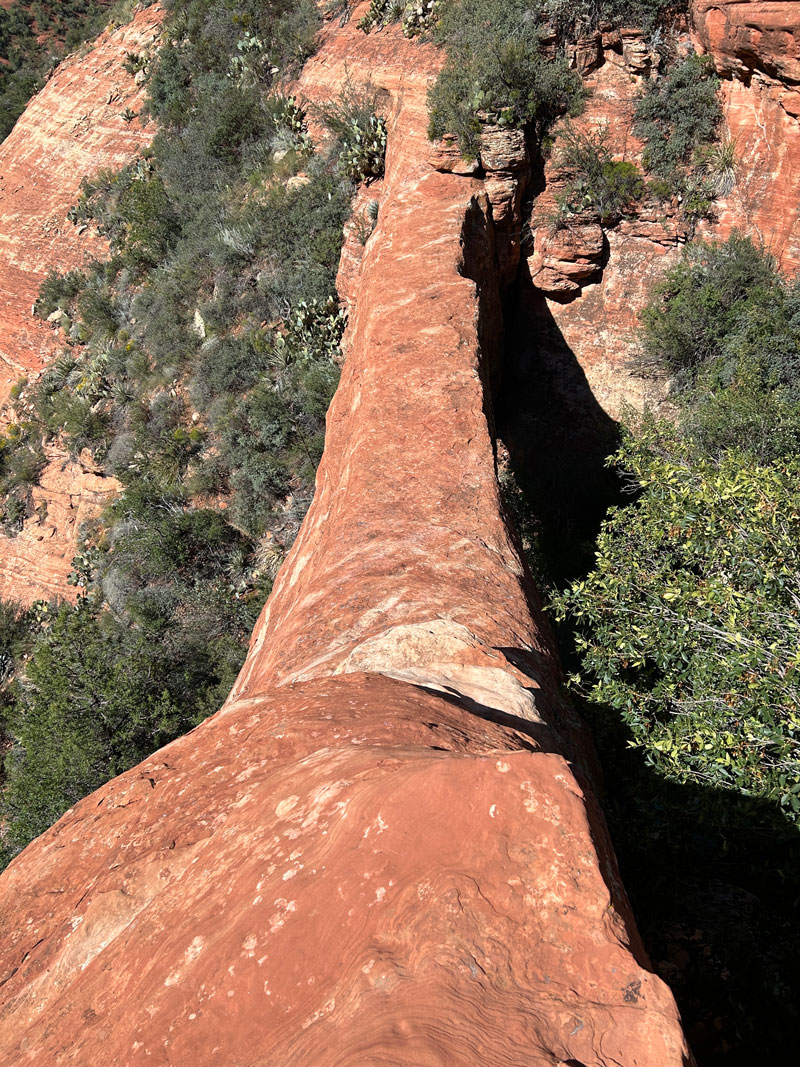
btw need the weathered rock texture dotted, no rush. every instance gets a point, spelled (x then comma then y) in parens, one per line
(379, 850)
(37, 562)
(71, 129)
(581, 288)
(756, 50)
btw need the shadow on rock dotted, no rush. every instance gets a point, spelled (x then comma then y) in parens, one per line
(557, 435)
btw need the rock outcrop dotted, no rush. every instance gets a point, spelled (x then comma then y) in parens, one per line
(750, 36)
(384, 848)
(36, 563)
(583, 285)
(73, 128)
(756, 50)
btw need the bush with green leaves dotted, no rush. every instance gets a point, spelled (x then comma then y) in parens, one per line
(678, 116)
(725, 305)
(21, 462)
(595, 181)
(496, 71)
(689, 625)
(573, 18)
(99, 695)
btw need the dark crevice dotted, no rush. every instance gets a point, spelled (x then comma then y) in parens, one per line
(557, 435)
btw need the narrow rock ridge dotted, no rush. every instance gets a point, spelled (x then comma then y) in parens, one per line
(404, 563)
(343, 867)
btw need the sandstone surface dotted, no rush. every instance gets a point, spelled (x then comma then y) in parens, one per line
(582, 287)
(751, 35)
(384, 848)
(35, 564)
(73, 128)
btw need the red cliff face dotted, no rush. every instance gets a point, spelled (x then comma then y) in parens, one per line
(382, 849)
(749, 36)
(583, 287)
(756, 50)
(71, 129)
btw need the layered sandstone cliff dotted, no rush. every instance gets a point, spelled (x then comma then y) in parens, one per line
(756, 51)
(73, 128)
(384, 848)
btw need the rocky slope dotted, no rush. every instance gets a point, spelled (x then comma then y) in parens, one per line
(72, 128)
(384, 848)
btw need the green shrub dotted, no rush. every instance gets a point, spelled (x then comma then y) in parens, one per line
(58, 291)
(151, 226)
(595, 180)
(677, 116)
(743, 411)
(573, 18)
(722, 304)
(689, 624)
(511, 82)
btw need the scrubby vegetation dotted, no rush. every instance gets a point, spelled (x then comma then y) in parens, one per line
(497, 71)
(678, 118)
(198, 365)
(689, 622)
(585, 15)
(505, 60)
(595, 181)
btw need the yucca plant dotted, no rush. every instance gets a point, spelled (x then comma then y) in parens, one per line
(720, 164)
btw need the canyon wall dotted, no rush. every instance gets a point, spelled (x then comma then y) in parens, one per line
(756, 51)
(73, 128)
(384, 848)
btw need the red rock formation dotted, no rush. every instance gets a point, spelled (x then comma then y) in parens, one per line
(378, 851)
(584, 286)
(36, 563)
(745, 36)
(71, 129)
(756, 49)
